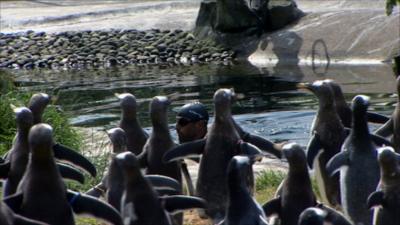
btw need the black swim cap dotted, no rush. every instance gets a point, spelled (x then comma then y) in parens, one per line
(193, 112)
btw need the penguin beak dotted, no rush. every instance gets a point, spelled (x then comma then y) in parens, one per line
(174, 96)
(306, 86)
(256, 158)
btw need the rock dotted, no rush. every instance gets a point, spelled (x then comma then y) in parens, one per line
(162, 47)
(222, 18)
(282, 13)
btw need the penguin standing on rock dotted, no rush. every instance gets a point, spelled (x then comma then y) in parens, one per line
(42, 194)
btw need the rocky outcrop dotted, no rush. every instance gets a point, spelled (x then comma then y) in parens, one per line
(244, 17)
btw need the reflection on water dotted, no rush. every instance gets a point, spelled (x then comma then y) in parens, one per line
(270, 107)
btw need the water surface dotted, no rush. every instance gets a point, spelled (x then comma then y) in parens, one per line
(269, 106)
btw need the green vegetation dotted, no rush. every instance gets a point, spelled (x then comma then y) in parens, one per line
(63, 132)
(390, 4)
(268, 181)
(266, 184)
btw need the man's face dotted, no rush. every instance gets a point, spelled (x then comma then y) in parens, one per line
(189, 131)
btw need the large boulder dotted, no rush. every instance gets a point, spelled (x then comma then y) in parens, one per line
(246, 17)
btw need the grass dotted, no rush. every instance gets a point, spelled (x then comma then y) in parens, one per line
(268, 181)
(266, 184)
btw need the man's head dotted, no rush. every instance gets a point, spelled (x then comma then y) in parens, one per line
(191, 122)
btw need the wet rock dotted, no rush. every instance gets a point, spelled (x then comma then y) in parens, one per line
(101, 48)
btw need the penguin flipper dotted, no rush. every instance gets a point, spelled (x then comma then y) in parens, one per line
(161, 182)
(263, 144)
(4, 169)
(333, 215)
(163, 192)
(313, 148)
(62, 152)
(71, 173)
(252, 151)
(337, 161)
(185, 150)
(273, 206)
(188, 178)
(380, 141)
(262, 221)
(376, 118)
(177, 203)
(376, 198)
(82, 203)
(386, 129)
(14, 202)
(97, 191)
(19, 220)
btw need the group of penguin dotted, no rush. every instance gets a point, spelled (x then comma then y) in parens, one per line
(357, 172)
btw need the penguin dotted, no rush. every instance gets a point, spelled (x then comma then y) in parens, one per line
(140, 203)
(8, 217)
(358, 165)
(37, 104)
(322, 215)
(260, 142)
(18, 155)
(297, 193)
(242, 208)
(328, 135)
(385, 201)
(158, 143)
(42, 194)
(344, 110)
(136, 137)
(220, 145)
(392, 127)
(112, 185)
(112, 182)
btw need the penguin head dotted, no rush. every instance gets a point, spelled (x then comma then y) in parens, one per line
(312, 216)
(24, 118)
(224, 96)
(389, 162)
(118, 139)
(295, 155)
(360, 104)
(223, 100)
(336, 90)
(129, 163)
(321, 89)
(159, 103)
(240, 171)
(41, 138)
(398, 86)
(37, 104)
(128, 103)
